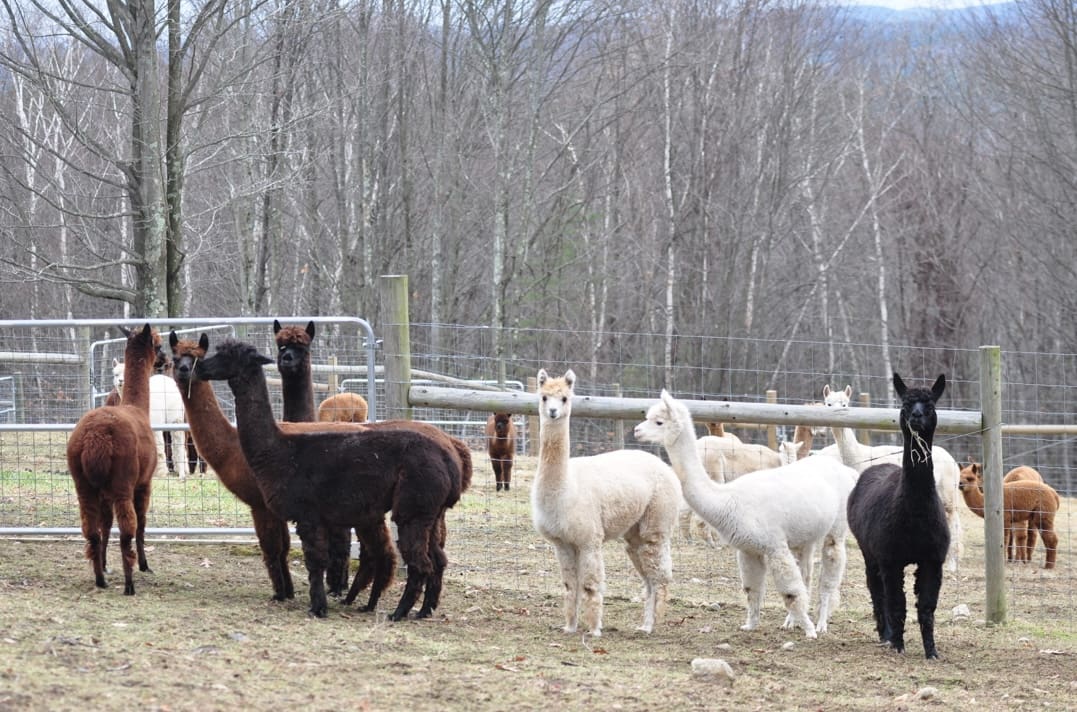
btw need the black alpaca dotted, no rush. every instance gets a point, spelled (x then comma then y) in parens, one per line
(328, 480)
(898, 519)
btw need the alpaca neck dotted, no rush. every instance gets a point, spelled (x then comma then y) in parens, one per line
(974, 498)
(803, 434)
(298, 396)
(210, 428)
(258, 432)
(851, 451)
(699, 490)
(916, 460)
(136, 382)
(553, 455)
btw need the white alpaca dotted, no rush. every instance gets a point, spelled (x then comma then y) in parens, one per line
(789, 452)
(578, 503)
(773, 518)
(166, 406)
(725, 459)
(860, 457)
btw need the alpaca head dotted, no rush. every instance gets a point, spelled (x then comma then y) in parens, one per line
(185, 354)
(788, 451)
(667, 420)
(232, 360)
(293, 347)
(918, 407)
(502, 421)
(836, 399)
(971, 477)
(555, 395)
(142, 346)
(117, 374)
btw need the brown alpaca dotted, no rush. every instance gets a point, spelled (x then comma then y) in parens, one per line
(112, 455)
(343, 407)
(501, 444)
(329, 479)
(297, 383)
(1028, 506)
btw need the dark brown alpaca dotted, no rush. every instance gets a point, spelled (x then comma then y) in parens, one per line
(501, 444)
(111, 455)
(297, 389)
(331, 480)
(297, 383)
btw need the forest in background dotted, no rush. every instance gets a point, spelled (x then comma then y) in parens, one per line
(749, 172)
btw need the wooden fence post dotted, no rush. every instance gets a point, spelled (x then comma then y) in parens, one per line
(393, 294)
(772, 430)
(991, 437)
(864, 401)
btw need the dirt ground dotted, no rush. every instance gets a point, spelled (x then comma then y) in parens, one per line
(202, 633)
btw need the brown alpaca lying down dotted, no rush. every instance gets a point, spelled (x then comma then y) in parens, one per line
(1028, 506)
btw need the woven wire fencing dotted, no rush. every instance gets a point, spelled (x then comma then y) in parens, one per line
(492, 541)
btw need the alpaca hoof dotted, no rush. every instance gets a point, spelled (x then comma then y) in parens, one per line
(100, 582)
(498, 486)
(569, 629)
(645, 629)
(322, 612)
(145, 567)
(748, 626)
(129, 589)
(506, 486)
(424, 612)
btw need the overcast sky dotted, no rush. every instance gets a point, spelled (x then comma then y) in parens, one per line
(906, 4)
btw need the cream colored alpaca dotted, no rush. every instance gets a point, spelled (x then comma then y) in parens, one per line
(774, 518)
(725, 459)
(860, 457)
(578, 503)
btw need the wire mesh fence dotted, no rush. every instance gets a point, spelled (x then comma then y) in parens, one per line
(52, 384)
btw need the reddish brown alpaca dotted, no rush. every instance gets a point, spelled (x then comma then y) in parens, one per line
(344, 408)
(111, 455)
(501, 444)
(1028, 506)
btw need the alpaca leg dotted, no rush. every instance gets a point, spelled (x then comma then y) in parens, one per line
(496, 464)
(570, 577)
(927, 583)
(875, 588)
(753, 571)
(127, 523)
(315, 556)
(179, 459)
(805, 558)
(267, 527)
(432, 594)
(832, 571)
(285, 552)
(787, 579)
(654, 563)
(194, 462)
(953, 519)
(414, 544)
(1030, 539)
(377, 562)
(336, 575)
(1046, 525)
(162, 456)
(91, 506)
(894, 606)
(105, 510)
(506, 473)
(141, 504)
(592, 572)
(166, 450)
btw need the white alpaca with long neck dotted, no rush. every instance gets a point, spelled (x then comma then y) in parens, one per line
(578, 503)
(774, 518)
(860, 457)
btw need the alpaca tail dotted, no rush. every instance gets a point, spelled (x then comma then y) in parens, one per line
(96, 458)
(464, 453)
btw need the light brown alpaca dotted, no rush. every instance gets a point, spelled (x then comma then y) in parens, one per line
(1027, 506)
(111, 455)
(344, 408)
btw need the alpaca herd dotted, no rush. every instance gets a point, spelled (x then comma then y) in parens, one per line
(331, 472)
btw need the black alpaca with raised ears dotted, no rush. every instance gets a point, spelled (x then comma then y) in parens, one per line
(898, 520)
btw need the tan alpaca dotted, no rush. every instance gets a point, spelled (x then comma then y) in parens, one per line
(1028, 506)
(578, 503)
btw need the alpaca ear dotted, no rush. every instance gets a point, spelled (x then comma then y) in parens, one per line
(848, 391)
(310, 329)
(263, 360)
(542, 376)
(570, 377)
(276, 326)
(899, 385)
(203, 342)
(826, 390)
(115, 362)
(172, 339)
(125, 331)
(939, 387)
(147, 330)
(666, 398)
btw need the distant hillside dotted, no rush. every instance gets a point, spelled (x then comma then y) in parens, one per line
(878, 15)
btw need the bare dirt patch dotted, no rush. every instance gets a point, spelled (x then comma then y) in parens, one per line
(202, 633)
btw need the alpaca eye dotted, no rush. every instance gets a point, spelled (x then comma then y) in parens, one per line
(564, 399)
(543, 399)
(658, 422)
